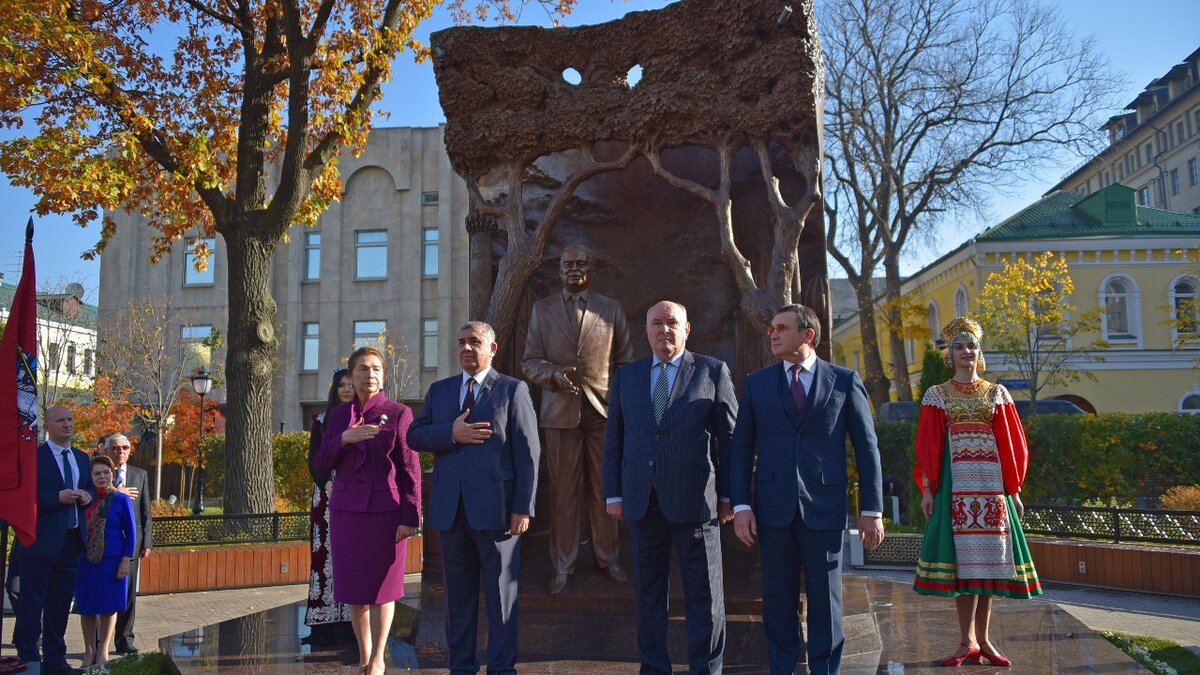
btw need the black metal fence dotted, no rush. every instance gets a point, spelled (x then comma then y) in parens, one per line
(246, 529)
(1149, 526)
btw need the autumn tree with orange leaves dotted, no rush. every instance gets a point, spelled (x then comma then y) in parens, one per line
(186, 135)
(108, 412)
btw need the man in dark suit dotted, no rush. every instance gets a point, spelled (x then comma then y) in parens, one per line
(793, 423)
(135, 483)
(483, 432)
(50, 565)
(577, 338)
(670, 421)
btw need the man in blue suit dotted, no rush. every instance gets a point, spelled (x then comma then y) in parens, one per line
(790, 438)
(50, 565)
(481, 427)
(670, 422)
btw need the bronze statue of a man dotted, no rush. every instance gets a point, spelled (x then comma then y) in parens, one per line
(576, 341)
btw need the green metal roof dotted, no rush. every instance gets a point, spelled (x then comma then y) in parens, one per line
(86, 317)
(1110, 212)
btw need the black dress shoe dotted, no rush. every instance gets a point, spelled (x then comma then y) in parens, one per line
(127, 648)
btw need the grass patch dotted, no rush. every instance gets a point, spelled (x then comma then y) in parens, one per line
(1157, 655)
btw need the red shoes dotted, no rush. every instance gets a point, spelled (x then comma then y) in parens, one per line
(958, 659)
(993, 659)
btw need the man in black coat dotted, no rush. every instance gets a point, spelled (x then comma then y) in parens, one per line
(135, 483)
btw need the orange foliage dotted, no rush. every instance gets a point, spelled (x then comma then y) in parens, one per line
(181, 439)
(108, 413)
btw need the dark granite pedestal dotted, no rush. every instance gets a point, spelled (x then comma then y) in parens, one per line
(590, 629)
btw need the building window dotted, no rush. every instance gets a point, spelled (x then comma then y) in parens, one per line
(910, 350)
(961, 304)
(370, 333)
(855, 359)
(429, 252)
(1119, 298)
(1150, 153)
(1174, 181)
(428, 198)
(193, 277)
(1193, 171)
(1180, 132)
(89, 362)
(1190, 403)
(312, 256)
(310, 349)
(1143, 195)
(370, 254)
(53, 351)
(935, 321)
(429, 344)
(1187, 307)
(71, 355)
(194, 333)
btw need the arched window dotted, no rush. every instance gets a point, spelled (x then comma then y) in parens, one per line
(961, 304)
(1121, 301)
(1185, 299)
(935, 322)
(1190, 402)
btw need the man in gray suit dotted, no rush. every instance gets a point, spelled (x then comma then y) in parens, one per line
(481, 427)
(670, 422)
(577, 338)
(135, 483)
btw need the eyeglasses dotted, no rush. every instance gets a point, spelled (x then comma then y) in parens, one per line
(122, 447)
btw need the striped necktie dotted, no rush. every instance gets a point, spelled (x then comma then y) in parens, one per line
(661, 392)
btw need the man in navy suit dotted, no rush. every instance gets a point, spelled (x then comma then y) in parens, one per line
(793, 423)
(483, 432)
(670, 421)
(50, 565)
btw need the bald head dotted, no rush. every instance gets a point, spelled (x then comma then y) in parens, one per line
(60, 425)
(667, 328)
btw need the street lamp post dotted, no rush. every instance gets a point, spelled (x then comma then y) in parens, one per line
(201, 384)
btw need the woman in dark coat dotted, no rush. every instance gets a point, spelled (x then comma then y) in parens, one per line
(328, 618)
(102, 588)
(375, 506)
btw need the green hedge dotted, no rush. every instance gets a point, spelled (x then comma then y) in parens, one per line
(1078, 458)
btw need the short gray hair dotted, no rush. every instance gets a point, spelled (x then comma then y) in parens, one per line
(483, 327)
(108, 442)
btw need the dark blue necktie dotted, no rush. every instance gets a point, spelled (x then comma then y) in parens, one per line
(799, 397)
(69, 479)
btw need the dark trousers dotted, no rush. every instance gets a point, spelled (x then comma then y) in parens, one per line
(468, 554)
(785, 552)
(698, 546)
(124, 632)
(47, 585)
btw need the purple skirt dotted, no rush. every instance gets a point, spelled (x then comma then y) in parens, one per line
(368, 562)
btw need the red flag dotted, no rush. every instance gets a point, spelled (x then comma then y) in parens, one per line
(18, 404)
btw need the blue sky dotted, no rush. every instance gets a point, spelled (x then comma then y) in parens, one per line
(1142, 43)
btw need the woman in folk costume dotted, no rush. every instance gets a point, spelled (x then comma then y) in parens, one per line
(971, 462)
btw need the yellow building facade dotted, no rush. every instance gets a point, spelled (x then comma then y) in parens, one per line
(1129, 260)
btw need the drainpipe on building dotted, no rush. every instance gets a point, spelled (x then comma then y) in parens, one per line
(1162, 172)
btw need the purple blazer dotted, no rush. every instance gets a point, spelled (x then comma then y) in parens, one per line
(380, 474)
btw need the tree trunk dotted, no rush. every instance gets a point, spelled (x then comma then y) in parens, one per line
(250, 482)
(876, 381)
(892, 281)
(158, 455)
(517, 267)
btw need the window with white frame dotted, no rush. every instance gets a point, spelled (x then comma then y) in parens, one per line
(429, 344)
(310, 349)
(370, 247)
(429, 251)
(1174, 181)
(1122, 313)
(195, 333)
(1143, 195)
(205, 277)
(428, 198)
(935, 321)
(1189, 403)
(1185, 299)
(72, 355)
(1193, 171)
(312, 256)
(961, 302)
(53, 354)
(910, 350)
(89, 362)
(370, 333)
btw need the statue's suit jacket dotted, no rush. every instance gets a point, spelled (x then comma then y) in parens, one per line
(596, 349)
(680, 457)
(801, 458)
(494, 478)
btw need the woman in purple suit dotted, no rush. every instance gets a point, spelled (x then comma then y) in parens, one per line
(376, 503)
